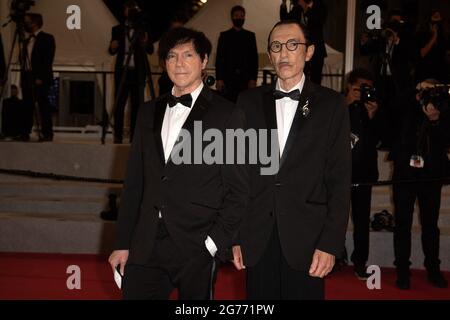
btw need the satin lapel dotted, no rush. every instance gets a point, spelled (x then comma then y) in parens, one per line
(299, 120)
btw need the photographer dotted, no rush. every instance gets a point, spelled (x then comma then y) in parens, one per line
(313, 14)
(433, 45)
(419, 152)
(392, 55)
(367, 123)
(130, 35)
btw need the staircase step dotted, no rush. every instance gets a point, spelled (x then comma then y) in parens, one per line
(67, 205)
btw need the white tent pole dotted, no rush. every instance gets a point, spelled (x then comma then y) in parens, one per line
(350, 42)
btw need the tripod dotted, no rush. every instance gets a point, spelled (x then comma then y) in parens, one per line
(25, 62)
(119, 92)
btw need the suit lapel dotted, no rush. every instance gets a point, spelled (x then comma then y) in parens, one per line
(299, 120)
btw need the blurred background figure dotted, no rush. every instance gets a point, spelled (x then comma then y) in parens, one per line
(132, 35)
(237, 58)
(433, 44)
(313, 14)
(367, 127)
(422, 134)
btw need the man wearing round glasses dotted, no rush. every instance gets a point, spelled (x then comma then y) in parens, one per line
(296, 219)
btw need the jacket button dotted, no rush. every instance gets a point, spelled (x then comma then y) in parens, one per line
(278, 184)
(271, 214)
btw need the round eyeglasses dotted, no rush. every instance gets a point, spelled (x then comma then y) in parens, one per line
(277, 46)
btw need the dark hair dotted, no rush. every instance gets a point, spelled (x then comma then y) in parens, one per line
(183, 35)
(359, 73)
(236, 9)
(37, 19)
(13, 86)
(302, 27)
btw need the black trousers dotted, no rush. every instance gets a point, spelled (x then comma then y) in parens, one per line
(134, 89)
(361, 204)
(273, 279)
(429, 196)
(36, 94)
(167, 269)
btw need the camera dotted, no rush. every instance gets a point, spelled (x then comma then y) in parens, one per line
(368, 93)
(19, 8)
(438, 95)
(383, 220)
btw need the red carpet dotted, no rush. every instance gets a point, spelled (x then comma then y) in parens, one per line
(43, 276)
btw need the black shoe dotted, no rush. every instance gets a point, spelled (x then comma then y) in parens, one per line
(403, 282)
(361, 273)
(437, 280)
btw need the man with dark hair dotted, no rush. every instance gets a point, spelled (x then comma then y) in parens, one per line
(130, 36)
(37, 77)
(367, 127)
(237, 58)
(313, 14)
(176, 221)
(297, 219)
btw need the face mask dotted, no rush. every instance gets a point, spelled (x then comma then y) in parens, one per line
(238, 23)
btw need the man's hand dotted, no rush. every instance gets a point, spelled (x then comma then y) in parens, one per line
(39, 82)
(220, 85)
(322, 264)
(114, 45)
(372, 108)
(431, 112)
(119, 257)
(237, 258)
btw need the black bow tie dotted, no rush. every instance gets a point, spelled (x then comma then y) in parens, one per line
(185, 100)
(294, 95)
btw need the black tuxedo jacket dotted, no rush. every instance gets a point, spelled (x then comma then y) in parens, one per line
(42, 57)
(119, 34)
(195, 200)
(309, 197)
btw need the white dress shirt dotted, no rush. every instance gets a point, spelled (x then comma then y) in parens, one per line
(173, 122)
(286, 109)
(129, 33)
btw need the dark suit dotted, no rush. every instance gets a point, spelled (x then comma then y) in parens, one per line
(236, 61)
(416, 135)
(41, 59)
(364, 169)
(195, 201)
(306, 204)
(134, 83)
(315, 19)
(11, 116)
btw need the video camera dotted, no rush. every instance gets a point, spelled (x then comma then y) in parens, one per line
(19, 8)
(438, 95)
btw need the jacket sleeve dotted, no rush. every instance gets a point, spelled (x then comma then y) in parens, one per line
(337, 181)
(236, 182)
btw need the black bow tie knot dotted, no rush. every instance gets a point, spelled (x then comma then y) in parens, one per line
(185, 100)
(294, 95)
